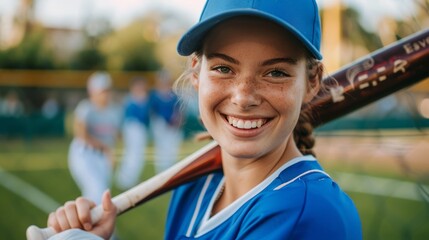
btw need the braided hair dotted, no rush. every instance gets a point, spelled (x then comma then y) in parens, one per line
(303, 132)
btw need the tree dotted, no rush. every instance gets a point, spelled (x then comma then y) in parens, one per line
(31, 53)
(89, 58)
(130, 49)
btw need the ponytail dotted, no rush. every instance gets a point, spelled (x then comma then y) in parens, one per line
(303, 134)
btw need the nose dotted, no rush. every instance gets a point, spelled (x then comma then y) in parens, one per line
(246, 93)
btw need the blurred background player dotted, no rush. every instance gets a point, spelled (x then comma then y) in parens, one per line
(12, 105)
(166, 120)
(96, 127)
(135, 134)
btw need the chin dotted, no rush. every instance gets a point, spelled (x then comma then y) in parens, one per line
(244, 150)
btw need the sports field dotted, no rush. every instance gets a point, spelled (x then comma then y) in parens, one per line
(387, 175)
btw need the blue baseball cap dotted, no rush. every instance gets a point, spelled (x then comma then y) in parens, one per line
(300, 17)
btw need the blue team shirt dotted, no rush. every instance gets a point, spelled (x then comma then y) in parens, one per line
(165, 105)
(299, 201)
(137, 110)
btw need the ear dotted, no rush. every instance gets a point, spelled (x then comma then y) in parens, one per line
(195, 65)
(314, 78)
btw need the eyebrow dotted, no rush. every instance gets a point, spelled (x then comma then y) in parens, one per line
(292, 61)
(222, 56)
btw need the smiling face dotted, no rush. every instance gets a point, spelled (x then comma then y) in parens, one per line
(251, 85)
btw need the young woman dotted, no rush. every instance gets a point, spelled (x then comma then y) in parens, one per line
(254, 64)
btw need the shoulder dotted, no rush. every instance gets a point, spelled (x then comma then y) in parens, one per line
(295, 186)
(84, 103)
(83, 108)
(289, 200)
(307, 208)
(326, 209)
(323, 196)
(295, 192)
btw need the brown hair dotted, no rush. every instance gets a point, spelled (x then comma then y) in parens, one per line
(303, 131)
(303, 134)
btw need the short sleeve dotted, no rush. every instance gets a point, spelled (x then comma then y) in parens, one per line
(328, 214)
(82, 110)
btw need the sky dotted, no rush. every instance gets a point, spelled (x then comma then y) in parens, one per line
(73, 13)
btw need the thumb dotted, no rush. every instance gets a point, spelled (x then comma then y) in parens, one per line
(107, 223)
(108, 206)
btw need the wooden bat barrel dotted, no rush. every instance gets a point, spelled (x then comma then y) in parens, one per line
(372, 77)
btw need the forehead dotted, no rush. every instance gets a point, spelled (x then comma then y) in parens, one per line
(250, 31)
(99, 92)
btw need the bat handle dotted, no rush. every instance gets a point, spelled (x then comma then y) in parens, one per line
(36, 233)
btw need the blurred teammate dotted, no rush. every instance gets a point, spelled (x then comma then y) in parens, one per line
(166, 122)
(96, 127)
(135, 133)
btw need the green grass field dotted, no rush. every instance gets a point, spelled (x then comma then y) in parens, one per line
(43, 164)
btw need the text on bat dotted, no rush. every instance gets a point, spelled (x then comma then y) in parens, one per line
(416, 46)
(380, 71)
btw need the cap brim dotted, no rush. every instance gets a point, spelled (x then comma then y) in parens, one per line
(191, 41)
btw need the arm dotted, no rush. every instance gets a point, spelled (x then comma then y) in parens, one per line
(80, 131)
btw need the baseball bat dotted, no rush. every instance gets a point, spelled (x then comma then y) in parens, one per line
(372, 77)
(364, 81)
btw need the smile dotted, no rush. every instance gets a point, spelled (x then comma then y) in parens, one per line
(246, 123)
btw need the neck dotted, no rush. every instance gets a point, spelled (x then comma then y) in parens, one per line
(242, 175)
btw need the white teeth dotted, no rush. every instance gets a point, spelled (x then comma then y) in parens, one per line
(245, 124)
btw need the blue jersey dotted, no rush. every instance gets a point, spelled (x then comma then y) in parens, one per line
(165, 105)
(298, 201)
(137, 110)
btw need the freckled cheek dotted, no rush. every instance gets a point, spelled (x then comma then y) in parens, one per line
(210, 96)
(212, 91)
(208, 102)
(287, 102)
